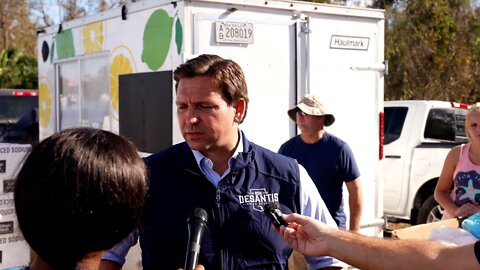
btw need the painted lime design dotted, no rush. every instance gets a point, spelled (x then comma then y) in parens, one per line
(65, 46)
(45, 104)
(120, 65)
(178, 35)
(156, 39)
(52, 51)
(92, 37)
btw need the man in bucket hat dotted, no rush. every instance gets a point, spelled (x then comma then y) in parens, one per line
(327, 158)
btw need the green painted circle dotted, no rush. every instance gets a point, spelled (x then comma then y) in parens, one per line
(156, 39)
(65, 47)
(178, 35)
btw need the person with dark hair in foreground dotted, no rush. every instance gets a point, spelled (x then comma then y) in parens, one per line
(78, 193)
(312, 237)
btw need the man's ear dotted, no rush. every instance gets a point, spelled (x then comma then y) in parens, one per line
(239, 106)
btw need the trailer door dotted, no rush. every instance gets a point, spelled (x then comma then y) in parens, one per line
(269, 66)
(345, 60)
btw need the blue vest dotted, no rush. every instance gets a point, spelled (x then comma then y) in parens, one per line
(238, 234)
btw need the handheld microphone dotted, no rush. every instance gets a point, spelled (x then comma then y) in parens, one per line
(274, 214)
(196, 226)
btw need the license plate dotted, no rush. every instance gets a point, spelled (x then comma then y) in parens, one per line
(234, 32)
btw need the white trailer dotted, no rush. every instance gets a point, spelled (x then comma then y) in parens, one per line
(113, 70)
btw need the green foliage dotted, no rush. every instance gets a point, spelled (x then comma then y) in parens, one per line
(433, 48)
(17, 70)
(382, 4)
(16, 28)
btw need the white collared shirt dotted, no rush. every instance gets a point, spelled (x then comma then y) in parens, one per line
(206, 165)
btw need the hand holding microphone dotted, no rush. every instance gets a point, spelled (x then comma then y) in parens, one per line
(196, 226)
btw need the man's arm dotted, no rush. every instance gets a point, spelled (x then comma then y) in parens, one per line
(109, 265)
(311, 237)
(376, 253)
(355, 202)
(114, 258)
(312, 205)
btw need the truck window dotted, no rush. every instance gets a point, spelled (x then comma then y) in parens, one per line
(393, 122)
(12, 108)
(440, 125)
(460, 117)
(18, 116)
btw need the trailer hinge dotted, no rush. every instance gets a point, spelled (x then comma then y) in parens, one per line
(305, 28)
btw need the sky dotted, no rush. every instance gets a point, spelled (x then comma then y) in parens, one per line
(360, 3)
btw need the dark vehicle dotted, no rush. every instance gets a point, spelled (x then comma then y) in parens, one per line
(18, 116)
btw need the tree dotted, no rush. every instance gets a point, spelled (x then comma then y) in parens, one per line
(433, 50)
(336, 2)
(16, 29)
(382, 4)
(42, 12)
(17, 70)
(58, 11)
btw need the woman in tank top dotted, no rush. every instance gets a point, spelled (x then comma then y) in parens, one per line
(462, 168)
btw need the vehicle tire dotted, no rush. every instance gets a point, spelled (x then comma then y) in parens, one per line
(430, 211)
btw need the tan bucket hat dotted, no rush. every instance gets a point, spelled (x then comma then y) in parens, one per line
(312, 105)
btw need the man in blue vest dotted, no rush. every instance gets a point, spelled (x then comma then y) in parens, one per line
(218, 169)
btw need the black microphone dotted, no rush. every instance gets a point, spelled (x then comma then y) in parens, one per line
(196, 226)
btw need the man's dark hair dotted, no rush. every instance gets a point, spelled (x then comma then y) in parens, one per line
(226, 74)
(79, 191)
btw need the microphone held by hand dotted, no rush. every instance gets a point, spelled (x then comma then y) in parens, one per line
(273, 212)
(196, 226)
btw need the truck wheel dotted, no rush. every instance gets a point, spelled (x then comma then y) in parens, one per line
(430, 211)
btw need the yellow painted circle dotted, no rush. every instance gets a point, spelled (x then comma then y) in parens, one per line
(45, 103)
(121, 62)
(92, 37)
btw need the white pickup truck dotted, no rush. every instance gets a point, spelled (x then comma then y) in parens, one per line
(418, 136)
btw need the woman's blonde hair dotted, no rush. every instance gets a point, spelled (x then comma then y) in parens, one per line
(473, 108)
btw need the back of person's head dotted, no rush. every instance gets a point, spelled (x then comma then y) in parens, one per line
(474, 108)
(227, 74)
(79, 191)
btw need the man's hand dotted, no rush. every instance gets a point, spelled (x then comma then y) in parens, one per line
(466, 210)
(306, 235)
